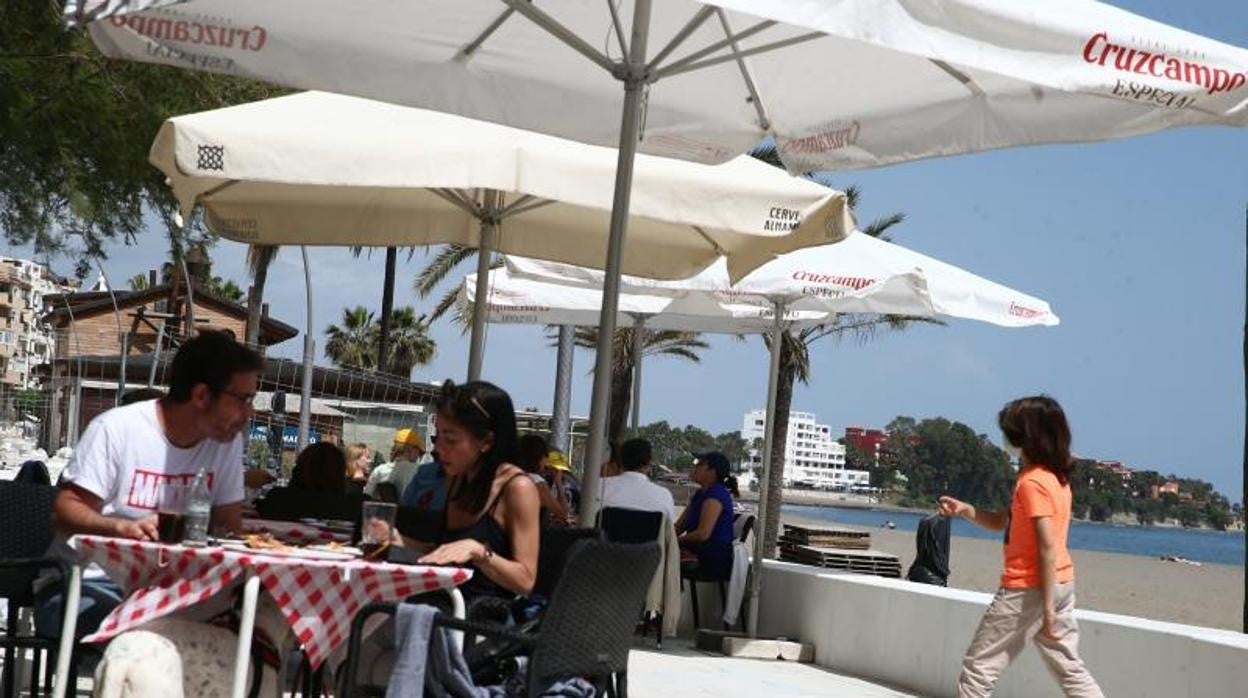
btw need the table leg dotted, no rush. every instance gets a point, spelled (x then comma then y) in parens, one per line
(459, 610)
(246, 623)
(69, 625)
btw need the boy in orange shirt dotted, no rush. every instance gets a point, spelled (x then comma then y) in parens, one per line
(1038, 585)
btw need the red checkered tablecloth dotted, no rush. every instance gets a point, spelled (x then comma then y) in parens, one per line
(318, 597)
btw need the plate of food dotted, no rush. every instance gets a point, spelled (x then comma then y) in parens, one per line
(267, 544)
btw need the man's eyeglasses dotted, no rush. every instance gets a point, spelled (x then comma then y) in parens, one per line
(247, 400)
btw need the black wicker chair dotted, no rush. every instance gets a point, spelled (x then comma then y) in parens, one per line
(25, 534)
(586, 631)
(621, 525)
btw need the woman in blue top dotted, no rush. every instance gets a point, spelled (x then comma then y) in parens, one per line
(706, 526)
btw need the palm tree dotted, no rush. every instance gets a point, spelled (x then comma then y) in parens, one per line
(410, 343)
(259, 257)
(351, 344)
(138, 282)
(681, 345)
(444, 262)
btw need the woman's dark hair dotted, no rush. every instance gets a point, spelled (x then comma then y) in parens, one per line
(530, 450)
(1037, 426)
(211, 358)
(482, 409)
(733, 488)
(321, 467)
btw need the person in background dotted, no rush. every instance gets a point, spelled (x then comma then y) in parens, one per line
(134, 460)
(705, 529)
(359, 463)
(427, 488)
(317, 489)
(409, 446)
(563, 486)
(1037, 593)
(492, 506)
(321, 467)
(632, 488)
(533, 455)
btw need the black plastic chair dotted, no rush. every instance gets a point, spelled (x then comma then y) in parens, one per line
(25, 534)
(587, 628)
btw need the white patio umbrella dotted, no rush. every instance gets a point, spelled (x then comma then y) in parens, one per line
(325, 169)
(523, 299)
(838, 84)
(808, 287)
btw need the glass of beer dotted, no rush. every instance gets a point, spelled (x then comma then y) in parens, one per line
(376, 529)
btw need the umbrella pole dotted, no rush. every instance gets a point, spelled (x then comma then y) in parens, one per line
(309, 357)
(481, 301)
(769, 434)
(630, 125)
(639, 344)
(560, 427)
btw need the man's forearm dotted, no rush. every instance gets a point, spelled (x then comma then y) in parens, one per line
(71, 518)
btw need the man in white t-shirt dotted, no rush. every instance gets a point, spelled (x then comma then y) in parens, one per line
(135, 461)
(632, 488)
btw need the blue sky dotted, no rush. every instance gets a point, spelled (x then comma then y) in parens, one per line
(1138, 245)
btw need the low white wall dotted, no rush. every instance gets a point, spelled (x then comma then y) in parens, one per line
(912, 636)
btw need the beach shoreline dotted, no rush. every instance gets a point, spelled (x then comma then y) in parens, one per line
(1209, 595)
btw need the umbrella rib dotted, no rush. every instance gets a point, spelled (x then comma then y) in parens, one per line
(561, 32)
(685, 66)
(457, 199)
(710, 240)
(514, 210)
(763, 121)
(698, 19)
(613, 6)
(959, 76)
(694, 57)
(493, 27)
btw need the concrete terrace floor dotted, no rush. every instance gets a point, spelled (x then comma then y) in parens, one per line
(679, 670)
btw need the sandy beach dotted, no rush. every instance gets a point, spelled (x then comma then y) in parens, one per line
(1209, 595)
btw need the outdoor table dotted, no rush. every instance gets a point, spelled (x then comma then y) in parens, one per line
(317, 596)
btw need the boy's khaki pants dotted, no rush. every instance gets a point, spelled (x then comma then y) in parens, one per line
(1011, 617)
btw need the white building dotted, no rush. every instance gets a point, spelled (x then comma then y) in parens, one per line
(25, 340)
(812, 458)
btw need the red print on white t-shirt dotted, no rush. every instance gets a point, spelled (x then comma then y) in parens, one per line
(152, 491)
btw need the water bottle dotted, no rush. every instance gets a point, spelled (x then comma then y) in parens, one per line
(198, 510)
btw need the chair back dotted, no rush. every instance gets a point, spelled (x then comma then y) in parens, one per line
(742, 525)
(25, 533)
(588, 627)
(621, 525)
(34, 472)
(552, 555)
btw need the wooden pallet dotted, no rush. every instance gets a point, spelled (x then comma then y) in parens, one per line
(826, 537)
(852, 560)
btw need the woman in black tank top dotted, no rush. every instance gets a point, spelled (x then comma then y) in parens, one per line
(491, 519)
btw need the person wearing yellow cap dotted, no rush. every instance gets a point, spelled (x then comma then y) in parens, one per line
(405, 455)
